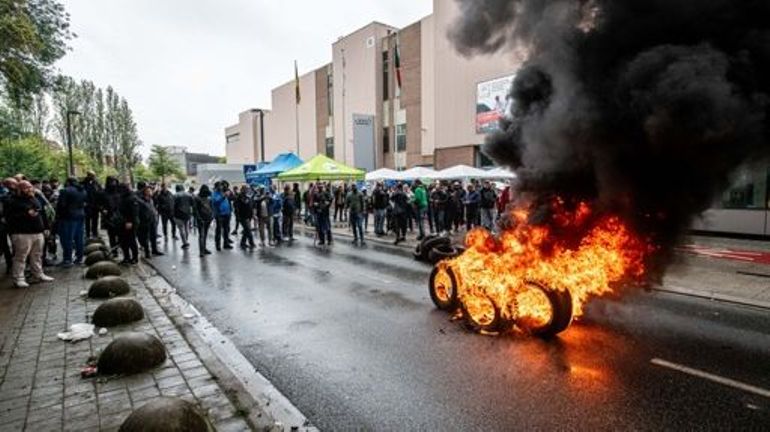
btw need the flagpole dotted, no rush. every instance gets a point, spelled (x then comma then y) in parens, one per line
(296, 125)
(297, 99)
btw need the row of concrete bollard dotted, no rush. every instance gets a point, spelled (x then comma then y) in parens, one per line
(133, 352)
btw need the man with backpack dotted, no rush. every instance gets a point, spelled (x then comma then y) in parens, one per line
(164, 201)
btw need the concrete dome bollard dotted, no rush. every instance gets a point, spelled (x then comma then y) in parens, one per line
(166, 414)
(95, 240)
(108, 287)
(117, 311)
(103, 268)
(95, 247)
(131, 353)
(95, 257)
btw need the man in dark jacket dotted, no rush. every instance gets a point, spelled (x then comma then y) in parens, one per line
(487, 204)
(440, 201)
(109, 205)
(380, 205)
(203, 216)
(92, 189)
(7, 190)
(71, 215)
(244, 209)
(183, 206)
(164, 202)
(129, 221)
(355, 203)
(147, 232)
(400, 209)
(322, 201)
(288, 210)
(28, 224)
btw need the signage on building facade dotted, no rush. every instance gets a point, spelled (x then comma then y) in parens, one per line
(493, 102)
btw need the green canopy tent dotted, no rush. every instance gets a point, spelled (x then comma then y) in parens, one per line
(321, 168)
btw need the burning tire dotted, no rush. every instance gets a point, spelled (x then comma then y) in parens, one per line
(443, 288)
(441, 253)
(482, 315)
(553, 315)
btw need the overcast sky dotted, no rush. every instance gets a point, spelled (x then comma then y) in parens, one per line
(188, 67)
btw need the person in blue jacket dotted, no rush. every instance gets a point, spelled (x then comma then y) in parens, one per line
(220, 204)
(276, 208)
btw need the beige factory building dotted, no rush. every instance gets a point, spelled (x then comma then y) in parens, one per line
(353, 109)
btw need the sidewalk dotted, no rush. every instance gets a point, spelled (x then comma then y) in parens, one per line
(723, 269)
(40, 384)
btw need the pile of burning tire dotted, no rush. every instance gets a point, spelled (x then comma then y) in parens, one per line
(485, 315)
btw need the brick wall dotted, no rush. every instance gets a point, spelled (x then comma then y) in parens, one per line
(448, 157)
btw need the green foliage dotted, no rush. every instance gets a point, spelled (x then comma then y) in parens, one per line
(143, 174)
(29, 156)
(33, 35)
(163, 165)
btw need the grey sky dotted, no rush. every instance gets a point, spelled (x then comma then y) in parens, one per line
(188, 67)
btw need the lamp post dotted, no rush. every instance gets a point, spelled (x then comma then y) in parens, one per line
(69, 140)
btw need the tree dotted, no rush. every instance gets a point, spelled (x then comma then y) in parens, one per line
(163, 165)
(34, 35)
(28, 156)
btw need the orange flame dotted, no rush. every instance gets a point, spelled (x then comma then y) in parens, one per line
(603, 251)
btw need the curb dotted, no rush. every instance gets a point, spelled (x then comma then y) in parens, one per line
(272, 411)
(708, 295)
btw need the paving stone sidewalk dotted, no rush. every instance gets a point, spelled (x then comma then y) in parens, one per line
(40, 384)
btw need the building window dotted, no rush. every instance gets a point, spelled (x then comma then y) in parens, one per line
(330, 92)
(401, 138)
(330, 147)
(386, 140)
(385, 76)
(234, 138)
(749, 189)
(482, 160)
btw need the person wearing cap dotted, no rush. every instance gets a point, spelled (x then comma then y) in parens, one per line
(28, 224)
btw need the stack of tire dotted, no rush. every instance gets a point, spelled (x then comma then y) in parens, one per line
(435, 248)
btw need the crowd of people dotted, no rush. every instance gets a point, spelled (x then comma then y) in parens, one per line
(43, 223)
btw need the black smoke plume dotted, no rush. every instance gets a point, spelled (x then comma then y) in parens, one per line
(644, 107)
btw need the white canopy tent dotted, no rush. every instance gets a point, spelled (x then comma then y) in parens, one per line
(501, 174)
(415, 173)
(382, 174)
(460, 172)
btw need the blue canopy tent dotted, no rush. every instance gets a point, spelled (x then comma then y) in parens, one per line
(282, 162)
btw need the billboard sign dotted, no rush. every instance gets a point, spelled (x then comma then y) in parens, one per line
(493, 103)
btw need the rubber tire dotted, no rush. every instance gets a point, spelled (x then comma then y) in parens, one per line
(417, 254)
(428, 245)
(497, 324)
(453, 302)
(440, 253)
(561, 304)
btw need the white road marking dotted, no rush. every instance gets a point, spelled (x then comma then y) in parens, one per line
(711, 377)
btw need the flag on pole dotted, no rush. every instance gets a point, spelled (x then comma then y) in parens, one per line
(297, 95)
(398, 62)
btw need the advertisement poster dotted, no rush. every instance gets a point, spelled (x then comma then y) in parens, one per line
(492, 103)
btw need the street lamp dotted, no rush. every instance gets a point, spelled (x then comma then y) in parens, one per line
(69, 139)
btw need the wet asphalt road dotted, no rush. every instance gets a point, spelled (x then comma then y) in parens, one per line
(350, 336)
